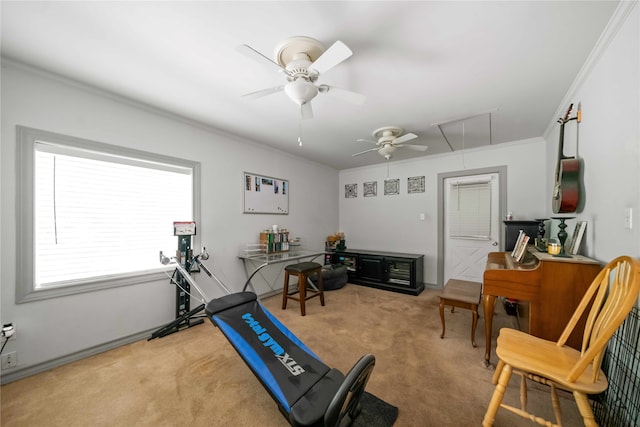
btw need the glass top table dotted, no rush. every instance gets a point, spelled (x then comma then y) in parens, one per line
(258, 261)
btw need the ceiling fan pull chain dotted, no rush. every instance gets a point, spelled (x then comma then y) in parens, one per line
(300, 128)
(464, 167)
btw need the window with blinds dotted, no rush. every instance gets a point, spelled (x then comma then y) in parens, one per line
(99, 214)
(470, 210)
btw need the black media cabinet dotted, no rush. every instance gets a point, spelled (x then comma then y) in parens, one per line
(391, 271)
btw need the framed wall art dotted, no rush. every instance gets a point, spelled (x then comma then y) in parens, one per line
(350, 191)
(415, 184)
(391, 187)
(370, 189)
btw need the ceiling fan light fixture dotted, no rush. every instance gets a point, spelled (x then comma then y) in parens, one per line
(301, 91)
(389, 139)
(386, 151)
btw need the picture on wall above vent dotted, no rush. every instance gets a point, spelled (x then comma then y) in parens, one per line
(350, 191)
(391, 186)
(415, 184)
(370, 189)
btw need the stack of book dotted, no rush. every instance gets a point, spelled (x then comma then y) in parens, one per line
(576, 237)
(274, 242)
(520, 247)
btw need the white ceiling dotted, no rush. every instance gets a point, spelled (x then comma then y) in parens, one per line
(419, 63)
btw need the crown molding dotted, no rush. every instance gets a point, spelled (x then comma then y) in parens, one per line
(617, 21)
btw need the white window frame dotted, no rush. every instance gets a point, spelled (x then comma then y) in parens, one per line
(26, 290)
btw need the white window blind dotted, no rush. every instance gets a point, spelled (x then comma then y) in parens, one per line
(470, 210)
(98, 215)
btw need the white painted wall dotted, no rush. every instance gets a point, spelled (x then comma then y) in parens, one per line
(392, 222)
(58, 327)
(608, 139)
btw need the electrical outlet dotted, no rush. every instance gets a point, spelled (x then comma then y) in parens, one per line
(9, 360)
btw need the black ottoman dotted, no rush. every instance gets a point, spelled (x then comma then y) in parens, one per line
(333, 277)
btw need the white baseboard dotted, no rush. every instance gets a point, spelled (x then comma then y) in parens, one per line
(27, 371)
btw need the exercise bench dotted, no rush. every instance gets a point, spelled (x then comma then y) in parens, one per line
(307, 392)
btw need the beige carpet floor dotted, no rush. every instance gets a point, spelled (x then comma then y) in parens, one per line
(195, 378)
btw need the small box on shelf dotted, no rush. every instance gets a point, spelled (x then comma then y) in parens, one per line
(273, 242)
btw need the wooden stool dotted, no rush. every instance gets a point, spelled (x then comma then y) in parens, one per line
(303, 270)
(463, 294)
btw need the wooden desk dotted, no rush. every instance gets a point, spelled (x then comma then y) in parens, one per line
(553, 286)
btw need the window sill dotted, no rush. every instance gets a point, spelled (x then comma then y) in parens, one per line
(92, 285)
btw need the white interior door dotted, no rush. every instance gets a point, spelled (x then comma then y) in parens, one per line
(471, 225)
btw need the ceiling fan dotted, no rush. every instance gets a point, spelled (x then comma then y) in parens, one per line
(389, 140)
(302, 60)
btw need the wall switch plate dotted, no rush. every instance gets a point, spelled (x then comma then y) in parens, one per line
(628, 215)
(421, 217)
(9, 360)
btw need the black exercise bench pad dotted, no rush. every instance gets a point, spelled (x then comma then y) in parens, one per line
(295, 377)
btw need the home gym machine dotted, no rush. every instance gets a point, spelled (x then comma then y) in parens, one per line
(307, 392)
(186, 263)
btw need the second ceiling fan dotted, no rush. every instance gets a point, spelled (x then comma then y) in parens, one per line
(390, 138)
(302, 60)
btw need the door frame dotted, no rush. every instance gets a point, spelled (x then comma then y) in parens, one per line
(502, 207)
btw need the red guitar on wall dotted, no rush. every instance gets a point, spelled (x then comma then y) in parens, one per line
(566, 192)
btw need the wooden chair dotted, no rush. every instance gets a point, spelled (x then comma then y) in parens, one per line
(305, 291)
(607, 302)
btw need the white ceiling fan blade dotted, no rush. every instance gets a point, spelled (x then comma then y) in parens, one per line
(365, 151)
(416, 147)
(331, 57)
(263, 92)
(257, 56)
(306, 111)
(404, 138)
(346, 95)
(367, 140)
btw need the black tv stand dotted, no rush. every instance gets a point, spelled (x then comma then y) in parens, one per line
(392, 271)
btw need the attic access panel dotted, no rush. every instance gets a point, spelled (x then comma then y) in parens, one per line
(468, 132)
